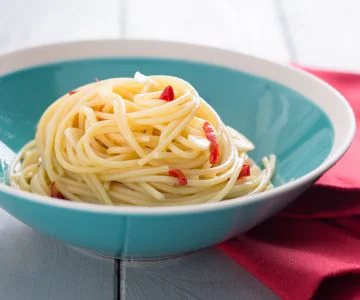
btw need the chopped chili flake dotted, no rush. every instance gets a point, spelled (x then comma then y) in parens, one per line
(55, 193)
(72, 92)
(214, 153)
(209, 132)
(178, 174)
(167, 94)
(214, 145)
(245, 171)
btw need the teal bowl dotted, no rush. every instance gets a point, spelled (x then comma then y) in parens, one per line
(305, 122)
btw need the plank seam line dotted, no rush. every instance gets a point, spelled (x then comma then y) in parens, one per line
(286, 32)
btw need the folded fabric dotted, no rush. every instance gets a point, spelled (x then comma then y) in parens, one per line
(311, 250)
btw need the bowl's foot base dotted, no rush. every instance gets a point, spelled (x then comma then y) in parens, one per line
(124, 258)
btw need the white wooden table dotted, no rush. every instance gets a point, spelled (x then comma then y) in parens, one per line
(319, 33)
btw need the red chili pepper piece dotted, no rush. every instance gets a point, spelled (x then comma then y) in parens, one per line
(178, 174)
(209, 132)
(167, 94)
(72, 92)
(55, 193)
(214, 153)
(245, 171)
(214, 145)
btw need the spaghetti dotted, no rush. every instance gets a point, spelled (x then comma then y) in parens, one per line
(147, 140)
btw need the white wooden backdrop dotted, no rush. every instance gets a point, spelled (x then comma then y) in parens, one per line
(319, 33)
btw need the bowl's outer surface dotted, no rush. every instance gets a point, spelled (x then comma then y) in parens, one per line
(144, 236)
(277, 119)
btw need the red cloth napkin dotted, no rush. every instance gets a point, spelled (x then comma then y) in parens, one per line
(311, 250)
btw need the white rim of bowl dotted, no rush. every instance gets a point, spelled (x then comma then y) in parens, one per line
(58, 52)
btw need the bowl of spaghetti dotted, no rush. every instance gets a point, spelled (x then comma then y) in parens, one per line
(147, 149)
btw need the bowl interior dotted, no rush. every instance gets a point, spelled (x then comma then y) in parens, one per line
(277, 119)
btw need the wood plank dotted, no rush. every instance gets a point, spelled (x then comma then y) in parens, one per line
(35, 267)
(249, 26)
(24, 23)
(324, 33)
(252, 27)
(207, 274)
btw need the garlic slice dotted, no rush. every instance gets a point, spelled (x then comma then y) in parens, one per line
(73, 135)
(143, 79)
(241, 142)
